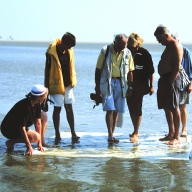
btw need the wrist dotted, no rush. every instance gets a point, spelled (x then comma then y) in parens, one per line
(130, 83)
(130, 87)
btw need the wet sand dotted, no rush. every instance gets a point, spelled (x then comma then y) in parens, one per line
(94, 165)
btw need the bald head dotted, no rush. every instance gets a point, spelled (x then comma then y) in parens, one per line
(120, 42)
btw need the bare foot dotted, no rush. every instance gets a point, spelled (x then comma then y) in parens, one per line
(75, 137)
(184, 134)
(57, 138)
(45, 144)
(131, 134)
(10, 145)
(173, 142)
(134, 138)
(166, 138)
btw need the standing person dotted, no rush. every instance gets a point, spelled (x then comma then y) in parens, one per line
(111, 76)
(60, 78)
(169, 82)
(184, 94)
(142, 81)
(21, 116)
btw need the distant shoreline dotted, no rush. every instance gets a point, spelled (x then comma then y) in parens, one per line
(81, 45)
(36, 42)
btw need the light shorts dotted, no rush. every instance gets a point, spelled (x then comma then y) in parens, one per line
(59, 99)
(115, 101)
(184, 98)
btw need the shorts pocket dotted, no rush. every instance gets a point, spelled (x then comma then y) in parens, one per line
(104, 88)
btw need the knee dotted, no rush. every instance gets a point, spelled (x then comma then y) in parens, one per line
(68, 107)
(35, 137)
(57, 110)
(182, 108)
(38, 137)
(135, 111)
(44, 116)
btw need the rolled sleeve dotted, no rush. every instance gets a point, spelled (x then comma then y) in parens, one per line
(100, 60)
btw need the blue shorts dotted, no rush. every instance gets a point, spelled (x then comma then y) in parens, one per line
(114, 102)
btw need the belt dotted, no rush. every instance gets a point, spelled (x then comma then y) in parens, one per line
(116, 77)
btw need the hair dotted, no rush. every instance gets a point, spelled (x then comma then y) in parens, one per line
(31, 97)
(69, 38)
(120, 37)
(161, 30)
(135, 40)
(175, 36)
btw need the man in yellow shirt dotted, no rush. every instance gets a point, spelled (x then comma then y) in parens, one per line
(113, 78)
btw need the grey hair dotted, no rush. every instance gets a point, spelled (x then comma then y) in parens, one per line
(161, 30)
(175, 36)
(121, 36)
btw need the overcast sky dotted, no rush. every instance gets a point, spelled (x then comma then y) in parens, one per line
(93, 20)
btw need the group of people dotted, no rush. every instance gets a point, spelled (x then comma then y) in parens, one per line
(124, 74)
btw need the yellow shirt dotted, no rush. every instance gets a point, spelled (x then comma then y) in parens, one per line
(116, 62)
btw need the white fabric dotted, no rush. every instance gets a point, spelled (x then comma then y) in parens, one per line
(59, 99)
(38, 90)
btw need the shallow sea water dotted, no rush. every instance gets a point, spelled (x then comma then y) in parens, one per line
(92, 164)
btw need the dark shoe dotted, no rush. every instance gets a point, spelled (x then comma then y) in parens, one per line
(166, 138)
(75, 138)
(113, 140)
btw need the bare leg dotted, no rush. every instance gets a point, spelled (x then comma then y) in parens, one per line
(33, 138)
(115, 118)
(56, 122)
(136, 120)
(11, 142)
(44, 127)
(70, 119)
(176, 120)
(109, 122)
(170, 122)
(184, 117)
(111, 119)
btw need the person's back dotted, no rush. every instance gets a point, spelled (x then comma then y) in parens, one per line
(186, 85)
(187, 62)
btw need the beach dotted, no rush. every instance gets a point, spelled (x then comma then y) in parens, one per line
(91, 164)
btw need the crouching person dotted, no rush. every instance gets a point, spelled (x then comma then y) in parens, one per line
(22, 115)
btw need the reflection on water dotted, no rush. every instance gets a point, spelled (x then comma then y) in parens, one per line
(74, 167)
(46, 173)
(94, 165)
